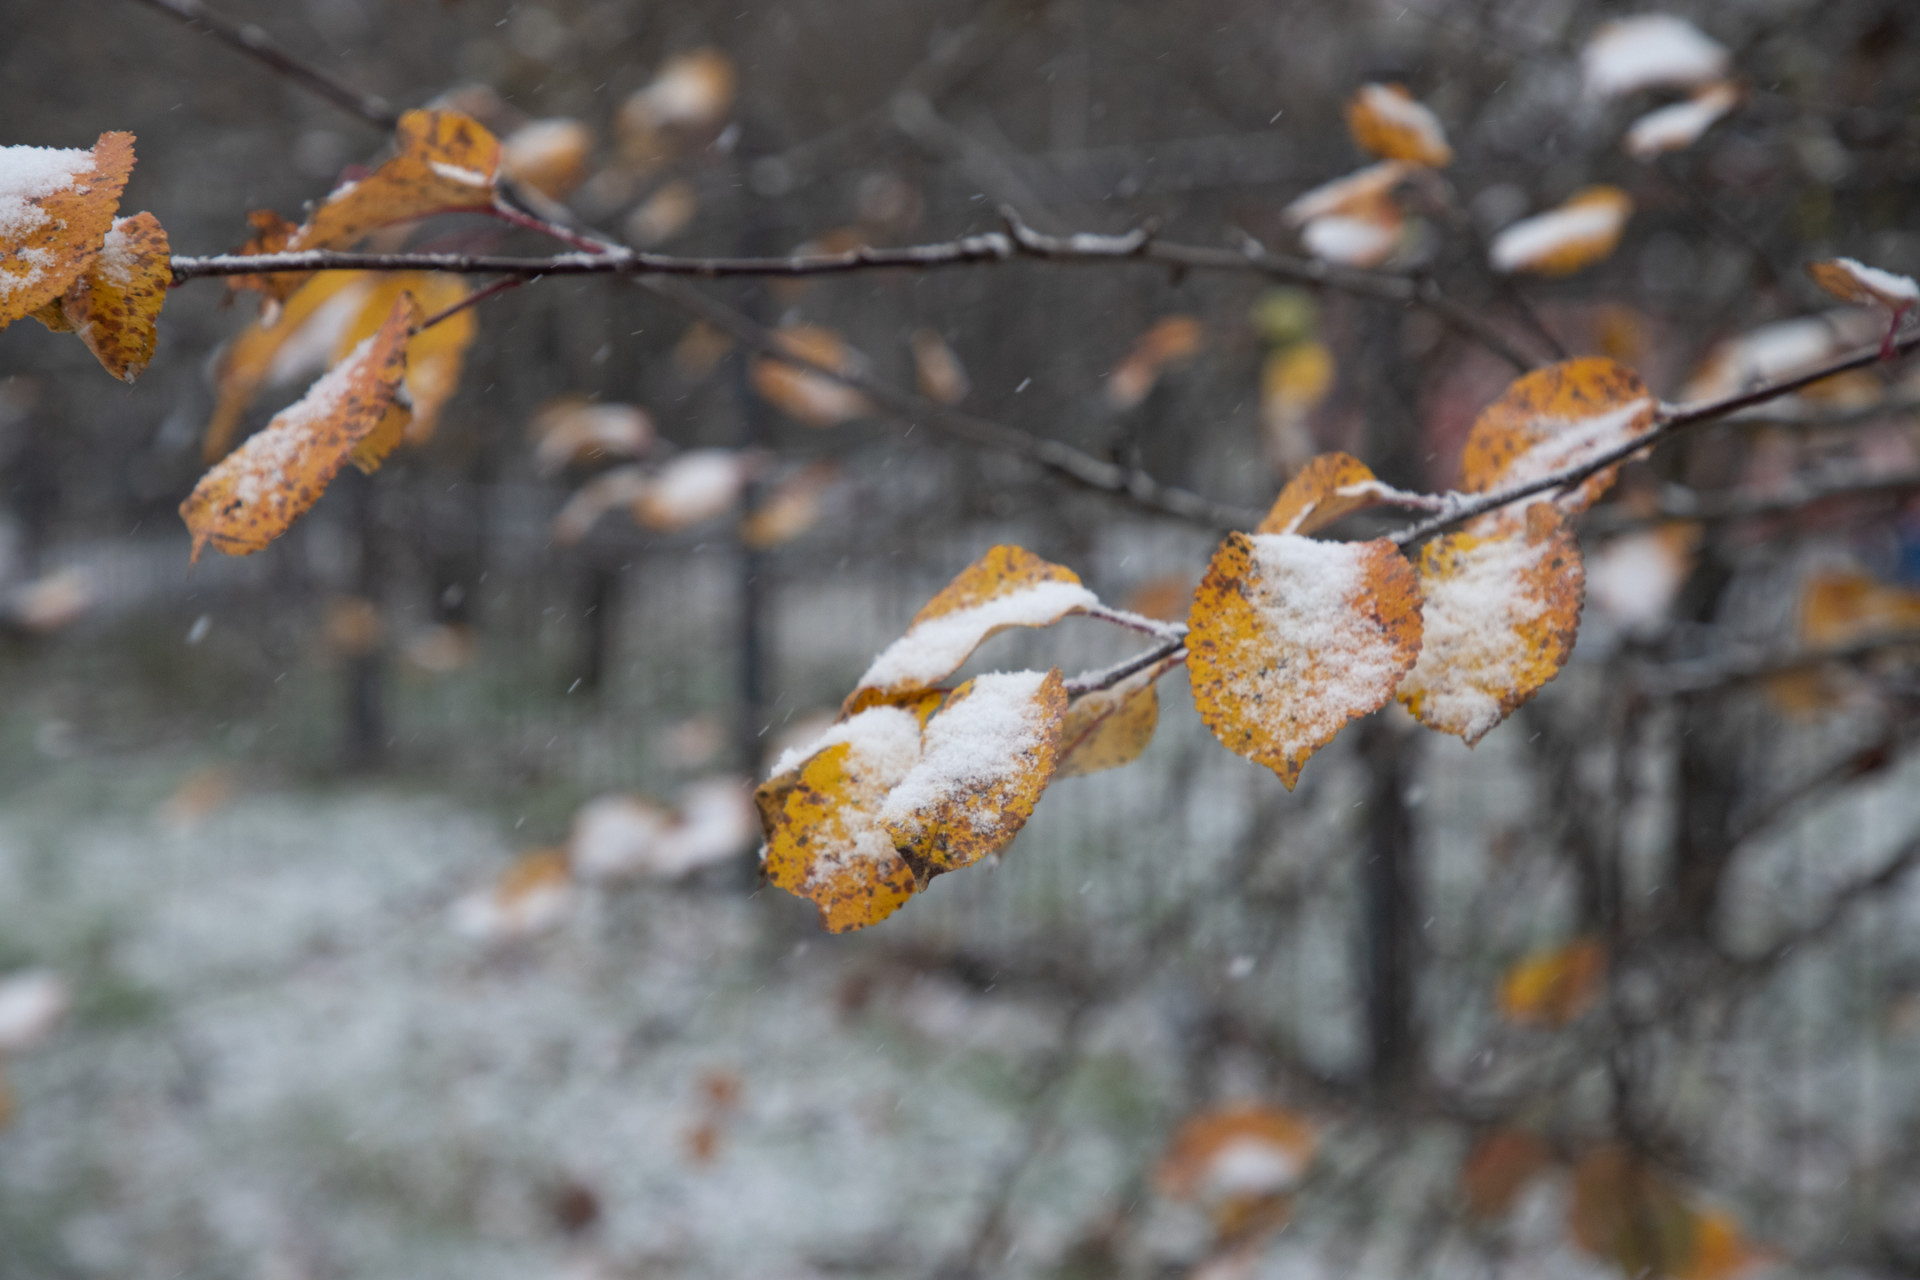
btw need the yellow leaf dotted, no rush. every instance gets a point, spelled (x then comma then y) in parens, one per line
(56, 205)
(116, 301)
(811, 398)
(820, 815)
(1107, 728)
(1290, 638)
(986, 757)
(1294, 381)
(434, 356)
(1237, 1150)
(1839, 607)
(1007, 587)
(1553, 987)
(271, 234)
(1499, 1169)
(445, 163)
(693, 90)
(255, 493)
(1357, 194)
(936, 369)
(1503, 601)
(1329, 487)
(1169, 341)
(303, 329)
(1580, 232)
(1555, 418)
(790, 510)
(54, 317)
(1386, 120)
(1865, 286)
(548, 155)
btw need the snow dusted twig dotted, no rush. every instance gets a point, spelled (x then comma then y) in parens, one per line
(1138, 622)
(1171, 652)
(1672, 420)
(256, 44)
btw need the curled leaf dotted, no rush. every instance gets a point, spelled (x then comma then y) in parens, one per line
(985, 759)
(1582, 231)
(445, 162)
(1007, 587)
(1554, 418)
(1329, 487)
(56, 205)
(1503, 599)
(299, 337)
(1388, 121)
(256, 492)
(1290, 638)
(1107, 728)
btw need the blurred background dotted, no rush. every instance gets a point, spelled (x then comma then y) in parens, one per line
(335, 938)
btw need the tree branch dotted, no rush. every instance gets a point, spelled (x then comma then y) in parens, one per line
(256, 44)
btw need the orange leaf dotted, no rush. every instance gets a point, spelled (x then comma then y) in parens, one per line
(1169, 341)
(533, 895)
(1290, 638)
(1624, 1210)
(434, 356)
(271, 234)
(791, 509)
(1007, 587)
(445, 163)
(548, 155)
(116, 301)
(1329, 487)
(254, 494)
(1555, 418)
(1839, 607)
(1236, 1150)
(820, 814)
(298, 336)
(1553, 987)
(1582, 231)
(1502, 606)
(1865, 286)
(698, 485)
(1110, 727)
(1499, 1168)
(1356, 194)
(1386, 120)
(56, 205)
(814, 399)
(986, 757)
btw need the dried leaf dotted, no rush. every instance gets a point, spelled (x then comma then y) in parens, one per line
(1171, 340)
(693, 90)
(434, 356)
(1840, 607)
(812, 398)
(1865, 286)
(621, 487)
(1237, 1150)
(1290, 638)
(1386, 120)
(693, 487)
(1681, 124)
(791, 509)
(573, 429)
(254, 494)
(1499, 1168)
(1356, 194)
(56, 205)
(1554, 418)
(1553, 987)
(1627, 1212)
(1110, 727)
(1653, 50)
(548, 155)
(937, 370)
(1164, 598)
(51, 602)
(1503, 602)
(1007, 587)
(446, 163)
(1329, 487)
(985, 758)
(299, 337)
(820, 815)
(271, 234)
(114, 304)
(1580, 232)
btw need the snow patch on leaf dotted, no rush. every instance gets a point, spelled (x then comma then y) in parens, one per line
(1650, 51)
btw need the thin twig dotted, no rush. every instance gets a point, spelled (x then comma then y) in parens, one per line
(1686, 679)
(256, 44)
(478, 296)
(1680, 503)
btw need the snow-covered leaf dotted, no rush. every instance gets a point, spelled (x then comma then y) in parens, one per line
(1357, 192)
(664, 214)
(792, 508)
(1388, 121)
(256, 492)
(1681, 124)
(1866, 286)
(573, 429)
(298, 338)
(1582, 231)
(548, 155)
(1554, 418)
(1290, 638)
(115, 304)
(1237, 1150)
(56, 205)
(1007, 587)
(1329, 487)
(1503, 601)
(692, 487)
(1652, 50)
(534, 895)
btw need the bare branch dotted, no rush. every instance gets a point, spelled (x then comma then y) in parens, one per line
(1680, 503)
(256, 44)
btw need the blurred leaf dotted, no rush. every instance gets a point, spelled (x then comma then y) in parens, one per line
(802, 394)
(1172, 340)
(1553, 987)
(1499, 1168)
(1865, 286)
(551, 156)
(1652, 50)
(1580, 232)
(937, 370)
(1386, 120)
